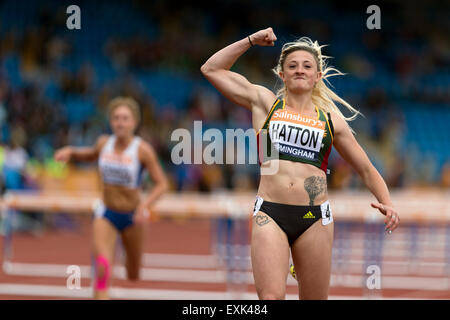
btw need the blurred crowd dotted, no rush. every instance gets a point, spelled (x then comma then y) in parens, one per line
(411, 45)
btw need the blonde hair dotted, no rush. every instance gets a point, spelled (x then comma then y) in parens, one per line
(322, 96)
(128, 102)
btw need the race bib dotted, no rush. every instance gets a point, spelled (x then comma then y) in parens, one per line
(327, 216)
(116, 169)
(296, 135)
(257, 206)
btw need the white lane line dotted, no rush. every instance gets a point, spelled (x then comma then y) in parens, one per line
(192, 261)
(43, 291)
(221, 276)
(142, 294)
(349, 266)
(147, 274)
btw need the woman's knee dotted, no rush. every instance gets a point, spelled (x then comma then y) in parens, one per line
(272, 295)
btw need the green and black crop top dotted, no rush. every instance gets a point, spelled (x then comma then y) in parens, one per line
(295, 137)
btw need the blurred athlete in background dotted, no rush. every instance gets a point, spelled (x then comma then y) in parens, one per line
(122, 157)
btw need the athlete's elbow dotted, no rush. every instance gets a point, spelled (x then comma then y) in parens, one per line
(164, 186)
(205, 69)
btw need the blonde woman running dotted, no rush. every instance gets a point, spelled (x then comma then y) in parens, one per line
(122, 157)
(292, 210)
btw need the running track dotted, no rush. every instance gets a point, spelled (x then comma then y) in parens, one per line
(169, 273)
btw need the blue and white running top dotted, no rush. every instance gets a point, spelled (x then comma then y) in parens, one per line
(121, 169)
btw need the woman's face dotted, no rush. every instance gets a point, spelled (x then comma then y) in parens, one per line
(122, 121)
(300, 71)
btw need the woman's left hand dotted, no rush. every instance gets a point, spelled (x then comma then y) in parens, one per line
(392, 218)
(142, 214)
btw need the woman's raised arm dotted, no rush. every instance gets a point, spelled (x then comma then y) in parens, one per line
(232, 85)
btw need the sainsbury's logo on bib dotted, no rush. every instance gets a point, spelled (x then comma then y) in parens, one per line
(296, 135)
(298, 119)
(116, 158)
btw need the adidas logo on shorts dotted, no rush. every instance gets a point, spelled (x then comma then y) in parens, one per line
(309, 215)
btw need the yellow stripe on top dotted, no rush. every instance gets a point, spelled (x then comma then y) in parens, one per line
(329, 127)
(269, 114)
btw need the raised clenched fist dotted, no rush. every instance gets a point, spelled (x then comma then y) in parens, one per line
(265, 37)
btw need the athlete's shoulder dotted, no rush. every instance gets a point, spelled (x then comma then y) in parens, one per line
(338, 122)
(101, 141)
(103, 138)
(266, 98)
(146, 150)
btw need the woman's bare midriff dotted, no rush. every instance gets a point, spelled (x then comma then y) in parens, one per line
(119, 198)
(294, 183)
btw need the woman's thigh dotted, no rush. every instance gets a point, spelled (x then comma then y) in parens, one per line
(133, 242)
(270, 257)
(311, 254)
(104, 238)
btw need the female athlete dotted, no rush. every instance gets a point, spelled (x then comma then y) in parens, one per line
(122, 157)
(300, 123)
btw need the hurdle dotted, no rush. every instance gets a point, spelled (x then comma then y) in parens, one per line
(426, 211)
